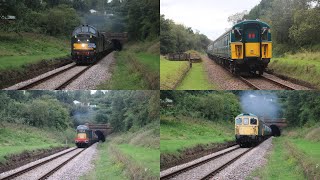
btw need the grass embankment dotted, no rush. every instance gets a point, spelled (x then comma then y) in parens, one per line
(180, 133)
(295, 155)
(303, 66)
(137, 67)
(171, 72)
(16, 51)
(133, 155)
(16, 138)
(196, 79)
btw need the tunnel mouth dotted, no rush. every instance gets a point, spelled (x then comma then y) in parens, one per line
(100, 135)
(116, 45)
(275, 130)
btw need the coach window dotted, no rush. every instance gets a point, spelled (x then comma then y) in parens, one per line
(264, 34)
(245, 121)
(238, 121)
(253, 121)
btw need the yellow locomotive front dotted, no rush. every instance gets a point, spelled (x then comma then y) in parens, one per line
(251, 46)
(246, 129)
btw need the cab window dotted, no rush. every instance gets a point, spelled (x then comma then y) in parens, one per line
(238, 121)
(264, 34)
(245, 121)
(238, 35)
(253, 121)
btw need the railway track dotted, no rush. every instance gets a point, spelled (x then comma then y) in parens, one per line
(192, 170)
(71, 72)
(68, 155)
(263, 82)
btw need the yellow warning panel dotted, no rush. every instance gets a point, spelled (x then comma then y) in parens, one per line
(237, 50)
(252, 49)
(266, 50)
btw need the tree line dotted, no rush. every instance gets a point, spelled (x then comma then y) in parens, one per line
(59, 17)
(300, 108)
(295, 23)
(179, 38)
(124, 110)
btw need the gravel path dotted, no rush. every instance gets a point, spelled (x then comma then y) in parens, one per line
(245, 165)
(97, 74)
(77, 167)
(202, 170)
(222, 78)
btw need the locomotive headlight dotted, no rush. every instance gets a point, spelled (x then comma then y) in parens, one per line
(87, 40)
(83, 45)
(78, 40)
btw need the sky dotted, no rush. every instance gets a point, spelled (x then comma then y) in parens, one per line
(210, 17)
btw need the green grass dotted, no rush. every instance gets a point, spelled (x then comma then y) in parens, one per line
(15, 62)
(309, 148)
(15, 139)
(177, 135)
(150, 60)
(105, 167)
(196, 79)
(147, 157)
(16, 51)
(171, 72)
(125, 75)
(129, 155)
(303, 66)
(280, 164)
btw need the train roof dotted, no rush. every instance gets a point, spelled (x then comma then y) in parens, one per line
(247, 114)
(85, 29)
(251, 21)
(82, 127)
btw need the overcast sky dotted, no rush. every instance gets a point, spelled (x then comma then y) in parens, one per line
(210, 17)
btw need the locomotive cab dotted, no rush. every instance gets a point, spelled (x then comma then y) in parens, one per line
(250, 130)
(83, 136)
(84, 43)
(251, 46)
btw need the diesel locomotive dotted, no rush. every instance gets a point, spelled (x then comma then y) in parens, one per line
(88, 44)
(85, 136)
(246, 47)
(249, 130)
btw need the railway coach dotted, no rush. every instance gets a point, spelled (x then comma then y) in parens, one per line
(246, 47)
(249, 130)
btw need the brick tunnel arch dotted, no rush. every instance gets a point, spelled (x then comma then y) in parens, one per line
(275, 130)
(100, 135)
(117, 45)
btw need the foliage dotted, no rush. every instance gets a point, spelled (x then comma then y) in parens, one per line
(179, 38)
(301, 107)
(210, 105)
(139, 18)
(294, 23)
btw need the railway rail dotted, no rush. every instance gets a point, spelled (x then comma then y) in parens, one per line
(276, 84)
(20, 173)
(265, 81)
(173, 173)
(66, 79)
